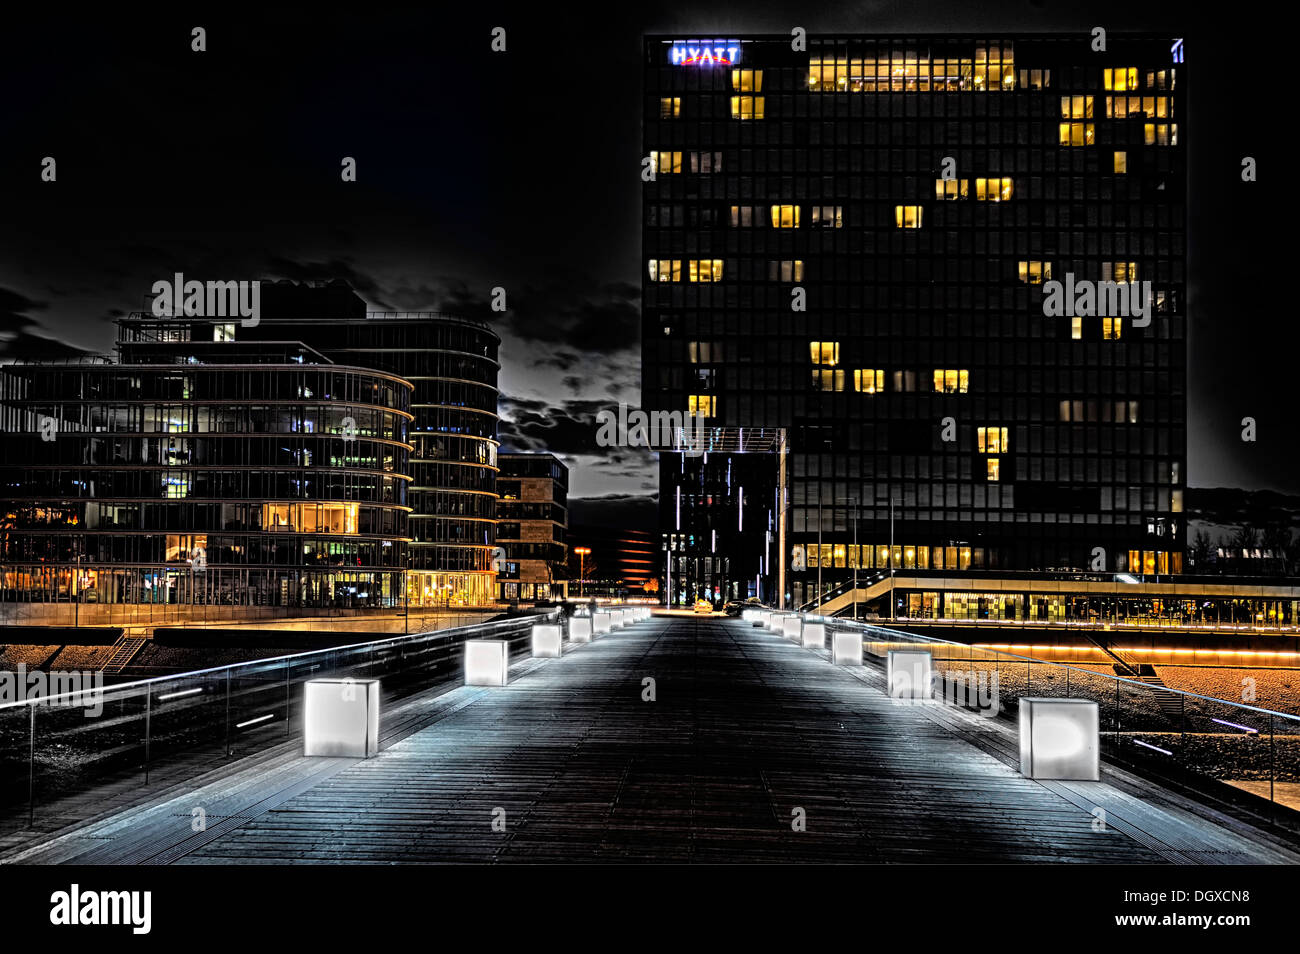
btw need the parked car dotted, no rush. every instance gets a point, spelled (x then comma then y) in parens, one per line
(736, 607)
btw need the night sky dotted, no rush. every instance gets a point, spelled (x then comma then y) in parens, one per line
(478, 169)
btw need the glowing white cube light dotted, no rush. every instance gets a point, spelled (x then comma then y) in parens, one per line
(775, 622)
(761, 618)
(548, 640)
(747, 615)
(340, 718)
(580, 630)
(1060, 739)
(814, 635)
(487, 661)
(601, 623)
(792, 627)
(908, 673)
(846, 649)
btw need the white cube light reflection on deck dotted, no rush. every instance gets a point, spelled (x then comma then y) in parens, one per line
(487, 662)
(814, 636)
(340, 718)
(846, 649)
(1060, 739)
(548, 640)
(580, 629)
(908, 673)
(600, 623)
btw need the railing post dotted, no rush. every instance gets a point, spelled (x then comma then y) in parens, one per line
(1272, 765)
(287, 699)
(31, 764)
(148, 712)
(227, 713)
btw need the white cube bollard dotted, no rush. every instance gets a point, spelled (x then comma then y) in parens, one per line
(580, 629)
(846, 649)
(548, 640)
(814, 635)
(775, 622)
(907, 673)
(747, 615)
(340, 718)
(600, 623)
(620, 618)
(487, 662)
(1060, 739)
(792, 627)
(760, 618)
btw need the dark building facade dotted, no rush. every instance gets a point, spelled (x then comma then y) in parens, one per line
(242, 477)
(532, 526)
(856, 243)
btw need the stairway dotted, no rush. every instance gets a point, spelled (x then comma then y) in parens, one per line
(1170, 703)
(124, 650)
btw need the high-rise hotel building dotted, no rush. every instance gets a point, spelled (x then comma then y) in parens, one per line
(853, 242)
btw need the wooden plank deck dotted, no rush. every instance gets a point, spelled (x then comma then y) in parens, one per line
(746, 729)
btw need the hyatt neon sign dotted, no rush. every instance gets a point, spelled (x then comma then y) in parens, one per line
(704, 53)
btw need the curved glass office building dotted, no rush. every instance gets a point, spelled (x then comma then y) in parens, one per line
(222, 475)
(452, 364)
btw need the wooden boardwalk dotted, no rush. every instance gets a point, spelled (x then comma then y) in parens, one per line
(746, 734)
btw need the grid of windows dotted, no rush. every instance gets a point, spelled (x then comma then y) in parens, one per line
(935, 303)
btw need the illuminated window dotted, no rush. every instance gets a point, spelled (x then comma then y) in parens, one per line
(1076, 134)
(701, 405)
(665, 269)
(747, 81)
(828, 380)
(907, 216)
(746, 216)
(993, 190)
(824, 352)
(950, 189)
(1076, 327)
(747, 107)
(785, 271)
(1119, 271)
(1160, 134)
(666, 163)
(785, 216)
(670, 107)
(1076, 107)
(705, 269)
(869, 380)
(990, 70)
(951, 381)
(706, 162)
(992, 440)
(1112, 328)
(904, 381)
(1163, 79)
(993, 465)
(1035, 79)
(1120, 79)
(1121, 162)
(828, 216)
(1035, 273)
(1125, 107)
(704, 352)
(994, 68)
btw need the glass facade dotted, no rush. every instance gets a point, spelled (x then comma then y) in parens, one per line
(857, 244)
(272, 484)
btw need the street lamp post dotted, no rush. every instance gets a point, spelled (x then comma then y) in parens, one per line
(582, 569)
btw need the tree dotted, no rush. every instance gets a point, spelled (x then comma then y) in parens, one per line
(1201, 548)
